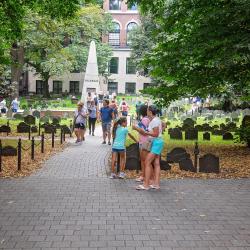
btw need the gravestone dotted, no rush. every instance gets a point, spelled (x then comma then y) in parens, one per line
(209, 163)
(34, 129)
(218, 132)
(66, 129)
(22, 127)
(164, 165)
(49, 128)
(228, 136)
(189, 122)
(199, 127)
(246, 121)
(44, 119)
(169, 130)
(18, 116)
(30, 119)
(177, 154)
(231, 126)
(36, 114)
(9, 151)
(206, 136)
(191, 134)
(187, 165)
(176, 134)
(206, 127)
(56, 120)
(132, 157)
(5, 129)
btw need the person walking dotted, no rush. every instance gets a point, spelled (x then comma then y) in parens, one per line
(153, 157)
(80, 117)
(124, 109)
(106, 115)
(92, 117)
(119, 133)
(15, 105)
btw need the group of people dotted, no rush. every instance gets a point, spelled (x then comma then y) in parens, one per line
(14, 106)
(113, 118)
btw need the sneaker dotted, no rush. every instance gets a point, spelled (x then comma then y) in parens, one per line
(93, 134)
(112, 176)
(109, 143)
(122, 175)
(154, 187)
(139, 179)
(103, 142)
(89, 132)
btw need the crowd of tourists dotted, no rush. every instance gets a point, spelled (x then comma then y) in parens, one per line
(113, 118)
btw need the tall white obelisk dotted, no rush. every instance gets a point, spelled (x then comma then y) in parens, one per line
(91, 80)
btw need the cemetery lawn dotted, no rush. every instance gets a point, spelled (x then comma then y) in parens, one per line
(28, 166)
(234, 157)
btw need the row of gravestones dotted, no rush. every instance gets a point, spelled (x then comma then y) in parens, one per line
(208, 163)
(192, 134)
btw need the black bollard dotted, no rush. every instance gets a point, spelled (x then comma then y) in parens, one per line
(61, 136)
(196, 153)
(0, 155)
(53, 139)
(33, 148)
(39, 129)
(19, 154)
(42, 143)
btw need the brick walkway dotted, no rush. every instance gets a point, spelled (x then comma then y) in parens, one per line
(71, 204)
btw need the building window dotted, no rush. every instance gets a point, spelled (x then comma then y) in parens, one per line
(115, 4)
(39, 87)
(133, 7)
(130, 88)
(74, 87)
(57, 87)
(130, 26)
(113, 65)
(112, 87)
(130, 66)
(114, 36)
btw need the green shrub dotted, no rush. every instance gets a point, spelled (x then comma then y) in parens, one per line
(243, 135)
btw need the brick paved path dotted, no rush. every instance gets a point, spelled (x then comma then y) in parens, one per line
(71, 204)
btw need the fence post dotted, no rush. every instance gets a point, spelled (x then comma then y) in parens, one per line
(0, 155)
(32, 148)
(53, 138)
(29, 131)
(39, 128)
(196, 153)
(42, 143)
(61, 137)
(19, 154)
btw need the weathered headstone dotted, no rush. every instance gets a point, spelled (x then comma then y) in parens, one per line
(206, 127)
(209, 163)
(199, 127)
(176, 134)
(187, 165)
(228, 136)
(49, 128)
(44, 119)
(34, 129)
(18, 116)
(66, 129)
(218, 132)
(9, 151)
(164, 165)
(5, 129)
(191, 134)
(206, 136)
(132, 157)
(189, 122)
(22, 127)
(56, 120)
(30, 119)
(177, 154)
(37, 114)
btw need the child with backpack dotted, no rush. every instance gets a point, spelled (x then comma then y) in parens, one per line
(120, 132)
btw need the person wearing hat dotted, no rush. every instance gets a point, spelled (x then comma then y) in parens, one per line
(80, 122)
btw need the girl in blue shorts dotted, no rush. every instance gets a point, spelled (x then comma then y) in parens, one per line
(120, 132)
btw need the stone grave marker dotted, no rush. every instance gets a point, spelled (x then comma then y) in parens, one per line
(176, 134)
(36, 114)
(187, 165)
(191, 134)
(231, 126)
(5, 129)
(66, 129)
(30, 119)
(218, 132)
(206, 127)
(209, 163)
(132, 157)
(44, 119)
(206, 136)
(228, 136)
(169, 130)
(246, 121)
(189, 122)
(34, 129)
(18, 116)
(23, 127)
(56, 120)
(177, 154)
(9, 151)
(49, 128)
(199, 127)
(164, 165)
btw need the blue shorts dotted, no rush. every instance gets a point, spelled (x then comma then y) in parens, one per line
(115, 150)
(157, 146)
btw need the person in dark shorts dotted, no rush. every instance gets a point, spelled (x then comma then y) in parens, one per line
(106, 116)
(80, 122)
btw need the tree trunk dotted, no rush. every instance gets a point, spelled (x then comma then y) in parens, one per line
(46, 93)
(17, 56)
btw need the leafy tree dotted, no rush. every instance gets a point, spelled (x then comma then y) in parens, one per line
(55, 47)
(201, 47)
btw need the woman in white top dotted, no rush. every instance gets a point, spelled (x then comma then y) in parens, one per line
(80, 122)
(153, 157)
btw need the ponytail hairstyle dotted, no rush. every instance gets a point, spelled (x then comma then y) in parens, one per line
(120, 121)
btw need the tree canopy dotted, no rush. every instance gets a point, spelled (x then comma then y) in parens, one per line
(200, 47)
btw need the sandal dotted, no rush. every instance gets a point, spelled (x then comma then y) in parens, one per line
(139, 179)
(141, 187)
(154, 187)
